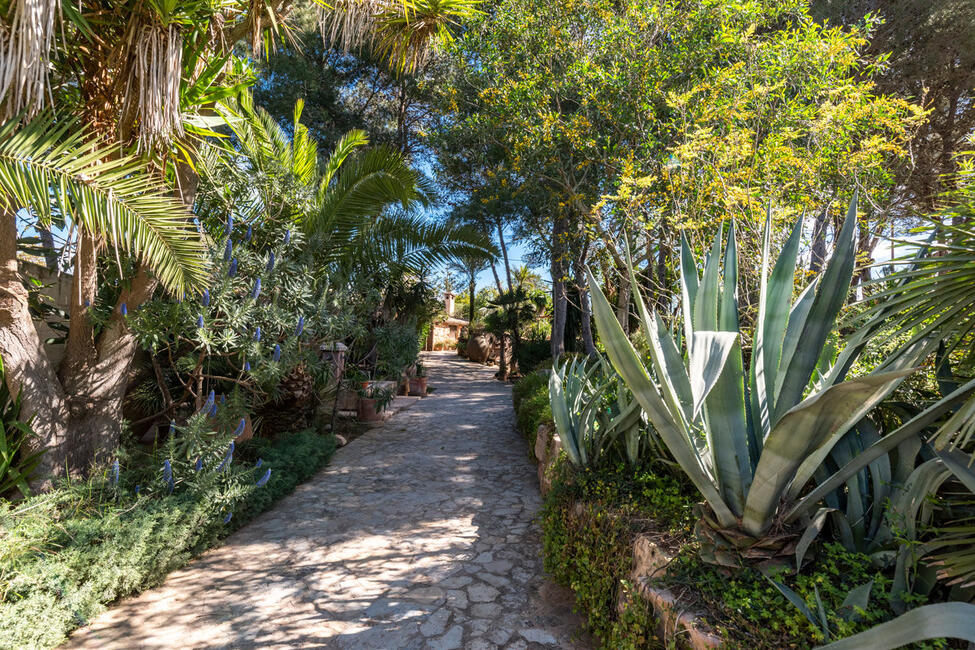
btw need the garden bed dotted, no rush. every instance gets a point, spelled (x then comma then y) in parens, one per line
(623, 542)
(69, 553)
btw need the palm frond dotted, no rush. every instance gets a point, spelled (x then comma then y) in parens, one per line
(47, 166)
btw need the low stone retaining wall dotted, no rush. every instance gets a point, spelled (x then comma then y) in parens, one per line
(677, 624)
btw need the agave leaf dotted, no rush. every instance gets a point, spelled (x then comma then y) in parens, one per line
(908, 430)
(803, 430)
(688, 284)
(951, 620)
(959, 464)
(810, 534)
(725, 406)
(669, 426)
(561, 416)
(831, 292)
(708, 354)
(705, 308)
(858, 598)
(776, 310)
(796, 601)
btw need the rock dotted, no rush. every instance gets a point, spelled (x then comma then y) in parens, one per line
(486, 610)
(481, 348)
(340, 440)
(649, 560)
(436, 623)
(547, 450)
(482, 593)
(450, 640)
(535, 635)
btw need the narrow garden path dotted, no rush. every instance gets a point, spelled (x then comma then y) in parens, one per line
(419, 534)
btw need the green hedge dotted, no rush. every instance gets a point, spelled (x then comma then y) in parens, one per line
(68, 553)
(589, 523)
(588, 526)
(530, 397)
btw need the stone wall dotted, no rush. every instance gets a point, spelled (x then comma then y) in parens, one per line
(677, 624)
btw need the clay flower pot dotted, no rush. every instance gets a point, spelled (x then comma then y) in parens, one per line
(367, 411)
(418, 386)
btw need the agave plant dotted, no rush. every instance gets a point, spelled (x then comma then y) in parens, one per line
(587, 426)
(749, 439)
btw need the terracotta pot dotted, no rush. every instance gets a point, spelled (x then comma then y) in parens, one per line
(367, 410)
(418, 386)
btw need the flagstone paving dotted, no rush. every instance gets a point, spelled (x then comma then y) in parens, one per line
(422, 533)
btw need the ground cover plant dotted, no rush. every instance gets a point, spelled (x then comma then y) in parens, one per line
(69, 553)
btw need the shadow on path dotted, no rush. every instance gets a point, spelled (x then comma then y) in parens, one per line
(419, 534)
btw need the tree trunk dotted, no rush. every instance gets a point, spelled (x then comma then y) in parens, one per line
(504, 253)
(28, 371)
(585, 309)
(472, 289)
(817, 252)
(623, 302)
(559, 297)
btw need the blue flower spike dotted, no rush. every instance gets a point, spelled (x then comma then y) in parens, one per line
(287, 236)
(172, 427)
(137, 488)
(247, 366)
(260, 461)
(257, 333)
(206, 298)
(270, 262)
(301, 326)
(247, 237)
(240, 428)
(228, 252)
(277, 352)
(227, 518)
(232, 271)
(199, 464)
(168, 476)
(257, 289)
(261, 482)
(115, 471)
(213, 411)
(230, 223)
(199, 322)
(124, 309)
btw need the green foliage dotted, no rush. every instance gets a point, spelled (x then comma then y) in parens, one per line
(294, 457)
(753, 613)
(56, 168)
(588, 525)
(597, 419)
(534, 355)
(68, 553)
(17, 461)
(769, 426)
(532, 408)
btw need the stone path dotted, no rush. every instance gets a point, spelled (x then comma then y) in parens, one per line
(419, 534)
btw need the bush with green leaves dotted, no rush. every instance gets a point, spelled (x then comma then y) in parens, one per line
(530, 397)
(70, 552)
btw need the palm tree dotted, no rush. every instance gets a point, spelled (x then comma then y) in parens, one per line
(345, 206)
(131, 71)
(52, 168)
(404, 32)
